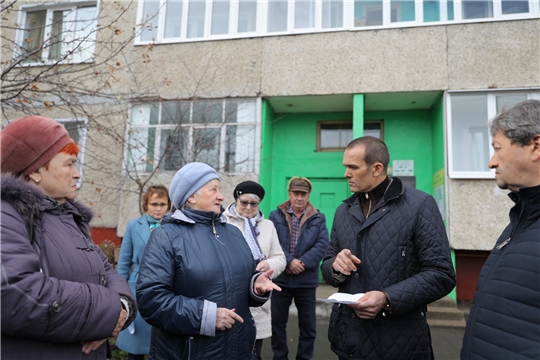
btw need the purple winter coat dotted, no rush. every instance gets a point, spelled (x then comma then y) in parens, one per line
(59, 290)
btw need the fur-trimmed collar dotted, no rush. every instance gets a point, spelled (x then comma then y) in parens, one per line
(30, 202)
(310, 209)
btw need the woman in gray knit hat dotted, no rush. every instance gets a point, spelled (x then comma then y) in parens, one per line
(61, 299)
(197, 278)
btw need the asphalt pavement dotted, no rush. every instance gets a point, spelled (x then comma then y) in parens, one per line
(446, 342)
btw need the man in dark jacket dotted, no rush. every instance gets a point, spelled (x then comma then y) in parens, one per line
(504, 322)
(303, 237)
(389, 242)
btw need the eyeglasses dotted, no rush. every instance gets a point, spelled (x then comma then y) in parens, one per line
(158, 204)
(246, 203)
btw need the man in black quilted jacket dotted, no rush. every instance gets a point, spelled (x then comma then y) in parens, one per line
(389, 242)
(504, 322)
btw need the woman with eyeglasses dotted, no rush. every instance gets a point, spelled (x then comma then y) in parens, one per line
(261, 236)
(135, 340)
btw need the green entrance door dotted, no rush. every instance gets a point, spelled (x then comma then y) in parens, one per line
(327, 195)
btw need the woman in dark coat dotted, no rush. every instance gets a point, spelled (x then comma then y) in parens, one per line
(60, 297)
(197, 278)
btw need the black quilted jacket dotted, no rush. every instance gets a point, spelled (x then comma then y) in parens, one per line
(405, 253)
(505, 318)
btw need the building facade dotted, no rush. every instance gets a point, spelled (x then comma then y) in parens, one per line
(267, 90)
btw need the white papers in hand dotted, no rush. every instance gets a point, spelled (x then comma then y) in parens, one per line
(343, 298)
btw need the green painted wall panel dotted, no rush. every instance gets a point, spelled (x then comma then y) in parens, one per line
(295, 141)
(267, 148)
(408, 137)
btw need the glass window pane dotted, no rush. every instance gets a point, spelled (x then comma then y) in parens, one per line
(332, 14)
(450, 9)
(470, 139)
(367, 13)
(33, 34)
(173, 19)
(144, 114)
(206, 143)
(196, 18)
(277, 15)
(86, 21)
(149, 20)
(476, 9)
(141, 149)
(508, 101)
(174, 148)
(207, 111)
(247, 16)
(514, 7)
(304, 14)
(402, 10)
(240, 148)
(231, 110)
(330, 138)
(431, 11)
(335, 136)
(220, 17)
(175, 112)
(58, 31)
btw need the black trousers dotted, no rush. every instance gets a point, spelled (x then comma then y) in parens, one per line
(305, 301)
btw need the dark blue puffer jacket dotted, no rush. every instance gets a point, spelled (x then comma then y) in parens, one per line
(405, 253)
(504, 322)
(189, 265)
(312, 244)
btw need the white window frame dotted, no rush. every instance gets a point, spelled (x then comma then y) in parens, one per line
(73, 58)
(190, 127)
(348, 19)
(491, 105)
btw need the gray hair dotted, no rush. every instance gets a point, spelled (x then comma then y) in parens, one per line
(520, 123)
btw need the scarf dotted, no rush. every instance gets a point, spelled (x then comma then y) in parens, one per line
(154, 223)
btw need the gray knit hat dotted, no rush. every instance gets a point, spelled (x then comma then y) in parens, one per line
(188, 180)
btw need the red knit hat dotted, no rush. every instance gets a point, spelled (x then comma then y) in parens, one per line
(29, 143)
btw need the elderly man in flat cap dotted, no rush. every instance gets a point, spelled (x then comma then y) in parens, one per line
(303, 236)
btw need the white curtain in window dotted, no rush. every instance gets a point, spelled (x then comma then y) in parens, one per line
(138, 138)
(149, 21)
(173, 19)
(245, 138)
(85, 33)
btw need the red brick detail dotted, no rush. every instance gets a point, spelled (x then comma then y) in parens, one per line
(468, 267)
(101, 234)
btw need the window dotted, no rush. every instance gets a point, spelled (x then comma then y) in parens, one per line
(336, 135)
(167, 135)
(477, 9)
(166, 21)
(469, 143)
(277, 15)
(57, 33)
(332, 14)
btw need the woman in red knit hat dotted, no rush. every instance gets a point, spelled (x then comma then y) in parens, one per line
(61, 299)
